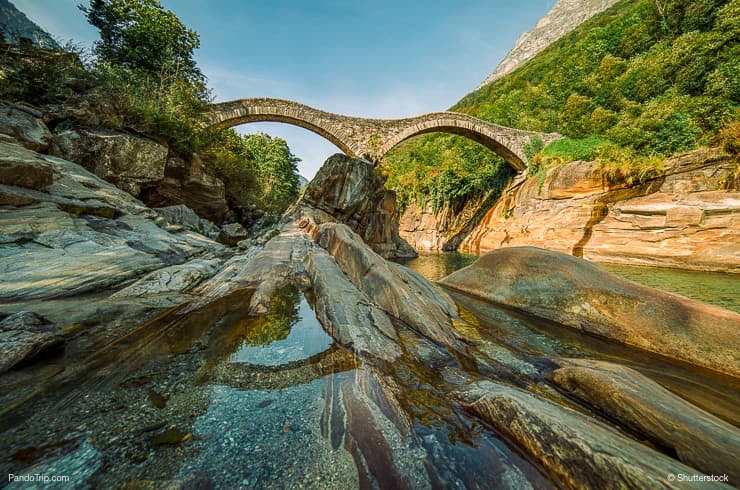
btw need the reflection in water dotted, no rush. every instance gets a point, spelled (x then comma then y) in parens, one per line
(273, 402)
(284, 338)
(435, 266)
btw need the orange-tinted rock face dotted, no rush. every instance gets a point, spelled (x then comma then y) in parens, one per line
(686, 219)
(444, 229)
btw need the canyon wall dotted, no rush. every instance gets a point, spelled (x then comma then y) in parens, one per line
(687, 218)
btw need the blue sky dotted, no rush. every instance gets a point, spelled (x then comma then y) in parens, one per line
(383, 58)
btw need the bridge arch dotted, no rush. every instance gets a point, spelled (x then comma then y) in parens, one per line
(247, 112)
(493, 138)
(373, 138)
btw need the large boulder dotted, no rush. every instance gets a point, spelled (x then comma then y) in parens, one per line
(23, 336)
(577, 450)
(187, 182)
(698, 438)
(232, 233)
(125, 160)
(182, 215)
(24, 124)
(350, 191)
(576, 293)
(399, 291)
(22, 168)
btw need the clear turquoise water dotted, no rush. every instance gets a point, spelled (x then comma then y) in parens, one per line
(717, 289)
(274, 402)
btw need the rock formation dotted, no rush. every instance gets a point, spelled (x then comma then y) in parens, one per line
(359, 296)
(697, 437)
(125, 160)
(348, 190)
(685, 219)
(64, 231)
(416, 373)
(22, 123)
(579, 451)
(138, 165)
(443, 229)
(16, 25)
(564, 16)
(23, 336)
(186, 182)
(576, 293)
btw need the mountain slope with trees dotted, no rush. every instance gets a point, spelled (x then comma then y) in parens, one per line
(643, 80)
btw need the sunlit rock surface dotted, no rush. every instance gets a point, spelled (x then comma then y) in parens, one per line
(578, 294)
(698, 438)
(687, 219)
(580, 451)
(65, 231)
(349, 191)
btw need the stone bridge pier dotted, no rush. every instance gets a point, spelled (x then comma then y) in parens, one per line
(373, 138)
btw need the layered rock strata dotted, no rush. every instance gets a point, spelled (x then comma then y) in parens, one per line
(686, 219)
(64, 231)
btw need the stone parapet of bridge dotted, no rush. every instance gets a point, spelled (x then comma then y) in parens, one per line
(373, 138)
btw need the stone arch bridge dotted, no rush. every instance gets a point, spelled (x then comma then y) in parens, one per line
(373, 138)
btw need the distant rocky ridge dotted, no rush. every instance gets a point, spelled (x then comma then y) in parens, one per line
(565, 16)
(14, 25)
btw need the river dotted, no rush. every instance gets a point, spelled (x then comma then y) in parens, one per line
(715, 288)
(218, 397)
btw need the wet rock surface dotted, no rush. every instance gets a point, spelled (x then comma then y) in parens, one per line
(698, 438)
(577, 294)
(25, 335)
(579, 451)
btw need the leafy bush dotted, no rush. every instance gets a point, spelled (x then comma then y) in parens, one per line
(169, 112)
(259, 171)
(444, 171)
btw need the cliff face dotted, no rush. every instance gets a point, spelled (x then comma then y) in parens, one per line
(565, 16)
(14, 24)
(686, 219)
(436, 230)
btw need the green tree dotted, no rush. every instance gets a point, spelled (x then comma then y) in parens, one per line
(141, 35)
(277, 170)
